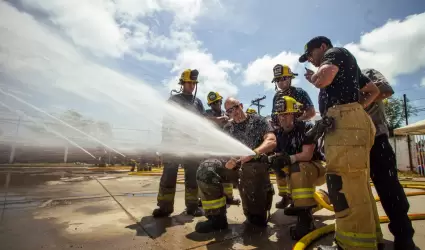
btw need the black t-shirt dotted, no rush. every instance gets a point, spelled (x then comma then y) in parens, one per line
(292, 142)
(250, 132)
(187, 102)
(345, 86)
(298, 94)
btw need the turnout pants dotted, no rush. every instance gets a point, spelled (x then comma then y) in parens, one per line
(304, 177)
(347, 151)
(383, 171)
(255, 187)
(167, 186)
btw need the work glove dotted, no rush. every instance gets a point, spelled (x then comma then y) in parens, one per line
(326, 124)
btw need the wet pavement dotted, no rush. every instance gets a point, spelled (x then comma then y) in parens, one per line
(80, 209)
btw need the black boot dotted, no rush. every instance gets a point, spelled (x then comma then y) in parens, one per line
(286, 200)
(213, 224)
(257, 220)
(305, 224)
(162, 212)
(404, 244)
(194, 211)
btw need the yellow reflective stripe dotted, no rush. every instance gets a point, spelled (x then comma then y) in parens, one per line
(302, 193)
(191, 196)
(356, 239)
(165, 197)
(214, 204)
(283, 189)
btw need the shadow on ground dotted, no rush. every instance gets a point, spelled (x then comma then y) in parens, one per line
(156, 227)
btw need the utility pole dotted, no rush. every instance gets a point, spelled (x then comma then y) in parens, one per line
(409, 147)
(256, 102)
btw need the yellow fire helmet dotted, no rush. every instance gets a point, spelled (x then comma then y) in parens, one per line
(280, 71)
(251, 111)
(287, 105)
(189, 75)
(213, 97)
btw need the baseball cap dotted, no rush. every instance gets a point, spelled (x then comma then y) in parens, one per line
(314, 43)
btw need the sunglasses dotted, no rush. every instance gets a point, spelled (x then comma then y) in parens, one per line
(231, 109)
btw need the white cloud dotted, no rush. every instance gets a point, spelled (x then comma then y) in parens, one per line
(423, 82)
(396, 48)
(129, 27)
(213, 75)
(260, 71)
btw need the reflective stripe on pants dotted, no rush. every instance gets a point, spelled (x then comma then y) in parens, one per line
(214, 204)
(356, 240)
(228, 190)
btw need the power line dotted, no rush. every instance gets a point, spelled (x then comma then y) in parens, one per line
(256, 102)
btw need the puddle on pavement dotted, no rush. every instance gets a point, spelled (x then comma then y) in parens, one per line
(28, 180)
(93, 209)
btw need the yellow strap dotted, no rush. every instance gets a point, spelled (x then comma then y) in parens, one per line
(214, 204)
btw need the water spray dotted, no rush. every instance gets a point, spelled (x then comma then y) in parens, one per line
(19, 112)
(59, 120)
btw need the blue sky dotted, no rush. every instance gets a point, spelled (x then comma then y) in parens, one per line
(98, 57)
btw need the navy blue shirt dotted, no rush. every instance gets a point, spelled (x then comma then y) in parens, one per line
(344, 88)
(292, 142)
(297, 93)
(188, 102)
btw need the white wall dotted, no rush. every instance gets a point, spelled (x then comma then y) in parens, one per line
(402, 152)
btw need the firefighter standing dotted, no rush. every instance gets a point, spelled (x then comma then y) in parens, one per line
(347, 147)
(217, 115)
(304, 161)
(255, 186)
(167, 187)
(383, 167)
(282, 78)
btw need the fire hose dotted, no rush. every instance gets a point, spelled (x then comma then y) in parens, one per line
(304, 242)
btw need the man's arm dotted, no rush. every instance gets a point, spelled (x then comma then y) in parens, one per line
(368, 95)
(324, 75)
(268, 145)
(368, 90)
(333, 60)
(305, 155)
(381, 82)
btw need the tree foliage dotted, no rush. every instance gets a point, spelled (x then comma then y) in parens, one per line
(394, 111)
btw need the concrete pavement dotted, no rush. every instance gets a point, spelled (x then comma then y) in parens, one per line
(88, 210)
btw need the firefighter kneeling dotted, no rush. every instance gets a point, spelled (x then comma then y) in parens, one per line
(255, 186)
(302, 159)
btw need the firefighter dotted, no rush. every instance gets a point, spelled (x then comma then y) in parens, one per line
(282, 78)
(255, 186)
(217, 115)
(302, 158)
(383, 167)
(167, 187)
(347, 146)
(250, 111)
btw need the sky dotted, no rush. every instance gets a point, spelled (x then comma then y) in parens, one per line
(90, 55)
